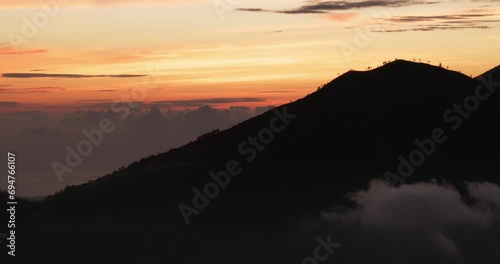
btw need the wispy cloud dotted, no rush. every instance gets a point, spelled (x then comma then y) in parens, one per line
(105, 103)
(406, 19)
(210, 101)
(466, 20)
(341, 16)
(106, 90)
(46, 75)
(277, 91)
(432, 28)
(4, 104)
(323, 7)
(6, 49)
(33, 90)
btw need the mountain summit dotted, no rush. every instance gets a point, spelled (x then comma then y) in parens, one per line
(341, 136)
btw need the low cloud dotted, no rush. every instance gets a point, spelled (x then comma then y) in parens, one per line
(421, 206)
(209, 101)
(9, 104)
(446, 224)
(42, 137)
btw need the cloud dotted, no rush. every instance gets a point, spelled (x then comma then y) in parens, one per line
(8, 50)
(45, 75)
(466, 20)
(405, 19)
(105, 104)
(254, 10)
(33, 90)
(323, 7)
(441, 223)
(335, 10)
(277, 91)
(9, 104)
(432, 28)
(425, 206)
(485, 192)
(147, 130)
(210, 101)
(341, 16)
(106, 90)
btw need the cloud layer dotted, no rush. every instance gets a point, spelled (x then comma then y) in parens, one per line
(42, 137)
(438, 221)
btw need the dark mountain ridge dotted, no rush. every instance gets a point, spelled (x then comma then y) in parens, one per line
(349, 132)
(345, 134)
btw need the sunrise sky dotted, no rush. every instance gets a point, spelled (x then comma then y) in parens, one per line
(85, 54)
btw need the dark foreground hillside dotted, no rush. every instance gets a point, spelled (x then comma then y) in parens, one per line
(291, 183)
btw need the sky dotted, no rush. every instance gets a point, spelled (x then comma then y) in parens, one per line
(184, 68)
(71, 54)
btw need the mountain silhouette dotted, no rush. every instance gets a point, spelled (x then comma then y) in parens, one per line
(335, 141)
(495, 73)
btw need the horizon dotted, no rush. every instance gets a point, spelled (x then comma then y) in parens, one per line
(62, 56)
(45, 184)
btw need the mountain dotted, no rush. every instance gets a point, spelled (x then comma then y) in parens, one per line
(495, 74)
(308, 156)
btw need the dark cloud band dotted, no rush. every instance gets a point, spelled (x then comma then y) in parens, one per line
(44, 75)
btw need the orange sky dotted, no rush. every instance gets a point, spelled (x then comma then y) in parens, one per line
(86, 53)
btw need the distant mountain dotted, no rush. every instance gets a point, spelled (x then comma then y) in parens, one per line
(495, 73)
(329, 144)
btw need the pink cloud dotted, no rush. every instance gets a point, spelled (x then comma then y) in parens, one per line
(10, 51)
(341, 16)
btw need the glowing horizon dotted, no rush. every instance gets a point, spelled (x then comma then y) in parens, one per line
(269, 52)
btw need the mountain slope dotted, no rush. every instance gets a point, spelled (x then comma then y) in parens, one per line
(340, 137)
(350, 131)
